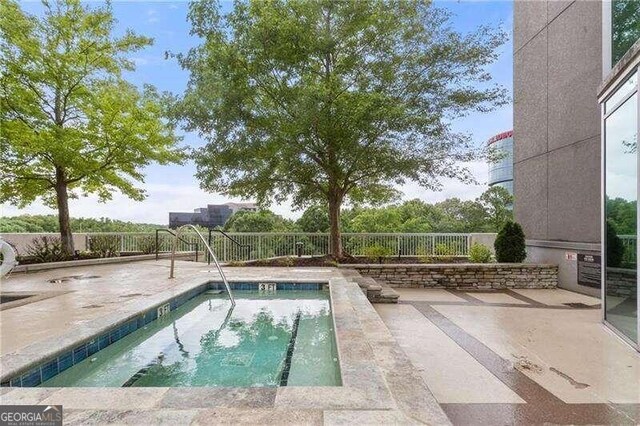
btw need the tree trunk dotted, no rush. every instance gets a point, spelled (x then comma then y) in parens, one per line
(334, 224)
(62, 199)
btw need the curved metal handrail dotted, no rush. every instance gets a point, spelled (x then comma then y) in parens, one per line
(213, 256)
(228, 237)
(189, 243)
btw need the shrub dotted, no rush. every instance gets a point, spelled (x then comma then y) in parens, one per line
(46, 249)
(331, 263)
(615, 249)
(287, 261)
(147, 244)
(479, 253)
(105, 245)
(510, 244)
(376, 252)
(444, 250)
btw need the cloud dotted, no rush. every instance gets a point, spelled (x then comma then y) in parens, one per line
(140, 61)
(152, 16)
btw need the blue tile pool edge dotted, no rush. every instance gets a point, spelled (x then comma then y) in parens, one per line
(37, 373)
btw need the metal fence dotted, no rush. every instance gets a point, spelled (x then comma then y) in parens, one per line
(630, 244)
(266, 245)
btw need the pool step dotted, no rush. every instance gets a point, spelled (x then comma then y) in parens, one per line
(377, 291)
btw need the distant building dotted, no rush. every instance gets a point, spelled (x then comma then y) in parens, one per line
(209, 217)
(501, 171)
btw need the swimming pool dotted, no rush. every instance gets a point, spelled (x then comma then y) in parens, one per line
(277, 336)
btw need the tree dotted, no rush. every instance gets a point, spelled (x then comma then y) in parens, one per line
(615, 248)
(497, 202)
(260, 221)
(461, 216)
(622, 214)
(626, 26)
(332, 101)
(49, 223)
(314, 219)
(69, 123)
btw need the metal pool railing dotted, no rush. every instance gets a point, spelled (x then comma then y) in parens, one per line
(259, 245)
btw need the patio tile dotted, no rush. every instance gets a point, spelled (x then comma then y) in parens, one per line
(106, 398)
(129, 417)
(218, 397)
(25, 396)
(449, 371)
(258, 417)
(368, 417)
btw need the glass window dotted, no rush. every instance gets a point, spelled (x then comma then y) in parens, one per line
(626, 88)
(625, 26)
(621, 177)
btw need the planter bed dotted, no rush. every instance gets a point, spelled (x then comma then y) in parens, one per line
(96, 261)
(467, 275)
(328, 261)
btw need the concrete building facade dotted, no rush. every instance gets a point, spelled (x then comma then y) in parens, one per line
(575, 162)
(212, 216)
(557, 71)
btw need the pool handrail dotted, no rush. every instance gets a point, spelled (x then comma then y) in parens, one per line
(181, 239)
(211, 253)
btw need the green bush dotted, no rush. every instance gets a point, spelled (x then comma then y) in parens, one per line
(46, 249)
(615, 249)
(376, 252)
(147, 244)
(444, 250)
(105, 245)
(510, 244)
(479, 253)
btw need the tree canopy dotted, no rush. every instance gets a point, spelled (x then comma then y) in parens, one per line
(328, 101)
(69, 123)
(49, 223)
(260, 221)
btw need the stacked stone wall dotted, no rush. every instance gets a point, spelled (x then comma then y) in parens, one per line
(481, 276)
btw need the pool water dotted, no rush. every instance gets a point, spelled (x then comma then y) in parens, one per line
(267, 339)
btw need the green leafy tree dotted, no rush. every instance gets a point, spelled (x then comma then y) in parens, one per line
(385, 219)
(331, 101)
(622, 214)
(314, 219)
(461, 216)
(260, 221)
(497, 203)
(69, 123)
(615, 248)
(49, 223)
(626, 26)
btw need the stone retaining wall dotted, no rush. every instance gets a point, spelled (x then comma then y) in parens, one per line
(467, 275)
(622, 282)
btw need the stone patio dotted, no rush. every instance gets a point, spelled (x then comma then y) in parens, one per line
(380, 384)
(439, 356)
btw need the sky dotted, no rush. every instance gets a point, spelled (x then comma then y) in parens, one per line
(174, 187)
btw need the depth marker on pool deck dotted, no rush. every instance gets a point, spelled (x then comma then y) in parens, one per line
(284, 375)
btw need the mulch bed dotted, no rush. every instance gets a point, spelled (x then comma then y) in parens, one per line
(345, 260)
(31, 260)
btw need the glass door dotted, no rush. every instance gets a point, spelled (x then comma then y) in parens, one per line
(620, 209)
